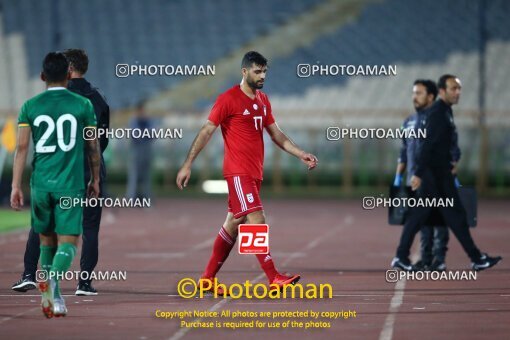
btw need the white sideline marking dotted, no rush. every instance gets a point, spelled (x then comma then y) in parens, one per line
(396, 301)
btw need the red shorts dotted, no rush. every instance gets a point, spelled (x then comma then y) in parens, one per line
(243, 195)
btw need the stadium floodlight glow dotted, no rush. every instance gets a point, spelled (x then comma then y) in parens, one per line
(215, 186)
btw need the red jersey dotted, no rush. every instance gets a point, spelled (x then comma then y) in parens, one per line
(242, 121)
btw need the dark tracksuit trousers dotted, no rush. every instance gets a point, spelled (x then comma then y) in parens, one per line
(438, 183)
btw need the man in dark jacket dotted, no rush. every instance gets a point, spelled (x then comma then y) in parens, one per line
(78, 66)
(433, 178)
(434, 240)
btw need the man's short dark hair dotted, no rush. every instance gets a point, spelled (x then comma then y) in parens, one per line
(429, 85)
(78, 59)
(55, 67)
(253, 57)
(441, 83)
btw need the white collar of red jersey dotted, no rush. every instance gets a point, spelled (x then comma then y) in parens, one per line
(56, 88)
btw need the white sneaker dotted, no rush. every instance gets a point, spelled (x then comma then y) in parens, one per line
(47, 288)
(59, 307)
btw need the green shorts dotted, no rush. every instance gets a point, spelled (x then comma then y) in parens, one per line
(51, 212)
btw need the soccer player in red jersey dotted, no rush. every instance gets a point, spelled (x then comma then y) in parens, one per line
(243, 113)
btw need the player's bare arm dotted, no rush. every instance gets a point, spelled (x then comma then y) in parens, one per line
(94, 157)
(198, 144)
(286, 144)
(20, 158)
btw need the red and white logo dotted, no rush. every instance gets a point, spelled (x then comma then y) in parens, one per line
(250, 197)
(253, 239)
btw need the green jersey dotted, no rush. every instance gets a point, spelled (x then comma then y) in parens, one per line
(57, 118)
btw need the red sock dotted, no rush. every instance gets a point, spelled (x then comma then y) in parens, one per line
(222, 247)
(267, 264)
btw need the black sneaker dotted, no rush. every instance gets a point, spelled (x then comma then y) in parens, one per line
(438, 266)
(402, 264)
(421, 266)
(85, 289)
(485, 262)
(24, 284)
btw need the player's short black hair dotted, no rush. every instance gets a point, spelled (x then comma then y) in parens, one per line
(441, 83)
(253, 57)
(429, 85)
(78, 59)
(55, 67)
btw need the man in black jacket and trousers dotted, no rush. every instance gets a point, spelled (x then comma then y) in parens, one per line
(78, 66)
(433, 179)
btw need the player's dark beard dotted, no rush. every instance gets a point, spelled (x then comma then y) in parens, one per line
(418, 106)
(254, 85)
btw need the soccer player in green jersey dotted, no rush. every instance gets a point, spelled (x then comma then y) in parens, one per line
(56, 120)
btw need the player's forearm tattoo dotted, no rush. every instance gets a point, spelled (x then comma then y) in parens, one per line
(194, 150)
(94, 157)
(198, 144)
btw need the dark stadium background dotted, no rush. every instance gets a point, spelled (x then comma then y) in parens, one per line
(423, 38)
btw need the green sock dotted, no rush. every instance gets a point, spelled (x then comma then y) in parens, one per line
(61, 262)
(47, 255)
(46, 259)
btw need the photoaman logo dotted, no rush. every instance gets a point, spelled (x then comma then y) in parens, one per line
(253, 238)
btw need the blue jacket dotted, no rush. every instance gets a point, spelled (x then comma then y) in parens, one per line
(411, 146)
